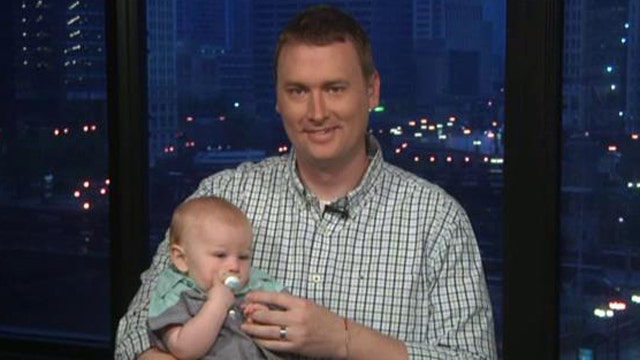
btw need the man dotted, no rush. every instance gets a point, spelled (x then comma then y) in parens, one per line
(380, 263)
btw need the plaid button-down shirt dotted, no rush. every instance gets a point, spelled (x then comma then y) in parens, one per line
(402, 257)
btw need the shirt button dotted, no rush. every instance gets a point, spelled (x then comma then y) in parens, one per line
(316, 278)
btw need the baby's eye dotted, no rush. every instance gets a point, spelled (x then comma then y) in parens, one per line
(220, 255)
(244, 257)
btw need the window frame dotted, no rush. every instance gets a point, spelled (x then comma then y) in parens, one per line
(128, 150)
(533, 128)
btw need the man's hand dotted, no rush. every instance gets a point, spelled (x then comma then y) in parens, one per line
(310, 329)
(155, 354)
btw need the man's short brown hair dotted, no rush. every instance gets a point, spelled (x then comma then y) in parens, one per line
(323, 25)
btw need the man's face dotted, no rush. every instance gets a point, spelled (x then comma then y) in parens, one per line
(324, 102)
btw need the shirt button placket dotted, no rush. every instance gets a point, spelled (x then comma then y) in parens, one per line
(316, 277)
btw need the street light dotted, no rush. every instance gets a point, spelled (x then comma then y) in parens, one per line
(617, 305)
(603, 313)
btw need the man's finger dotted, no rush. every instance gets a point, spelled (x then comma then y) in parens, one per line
(270, 317)
(264, 332)
(280, 300)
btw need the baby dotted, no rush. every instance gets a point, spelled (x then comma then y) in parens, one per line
(192, 314)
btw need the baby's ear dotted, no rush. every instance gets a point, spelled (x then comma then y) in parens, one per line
(178, 258)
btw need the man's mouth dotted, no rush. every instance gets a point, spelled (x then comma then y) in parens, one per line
(320, 131)
(321, 135)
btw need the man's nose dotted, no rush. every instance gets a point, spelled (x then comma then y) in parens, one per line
(317, 106)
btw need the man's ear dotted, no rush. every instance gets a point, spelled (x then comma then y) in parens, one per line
(373, 90)
(179, 259)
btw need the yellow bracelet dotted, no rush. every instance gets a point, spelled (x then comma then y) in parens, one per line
(346, 338)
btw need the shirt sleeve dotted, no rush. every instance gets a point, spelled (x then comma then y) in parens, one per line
(132, 337)
(460, 321)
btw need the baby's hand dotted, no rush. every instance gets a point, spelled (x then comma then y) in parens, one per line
(220, 293)
(250, 308)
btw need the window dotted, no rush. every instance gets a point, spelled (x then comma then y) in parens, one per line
(600, 287)
(54, 185)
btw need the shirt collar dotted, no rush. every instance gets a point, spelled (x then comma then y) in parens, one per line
(356, 196)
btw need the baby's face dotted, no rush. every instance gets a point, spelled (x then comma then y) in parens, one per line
(213, 250)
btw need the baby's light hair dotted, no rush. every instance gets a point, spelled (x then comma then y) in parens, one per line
(200, 208)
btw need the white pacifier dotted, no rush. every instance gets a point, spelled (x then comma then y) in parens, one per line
(232, 282)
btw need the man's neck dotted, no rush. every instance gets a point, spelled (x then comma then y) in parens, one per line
(332, 181)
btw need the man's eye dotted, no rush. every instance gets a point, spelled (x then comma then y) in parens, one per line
(336, 89)
(296, 91)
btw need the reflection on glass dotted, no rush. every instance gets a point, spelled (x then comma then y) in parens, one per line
(53, 172)
(600, 314)
(211, 99)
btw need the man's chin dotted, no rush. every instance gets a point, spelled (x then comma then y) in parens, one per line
(320, 158)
